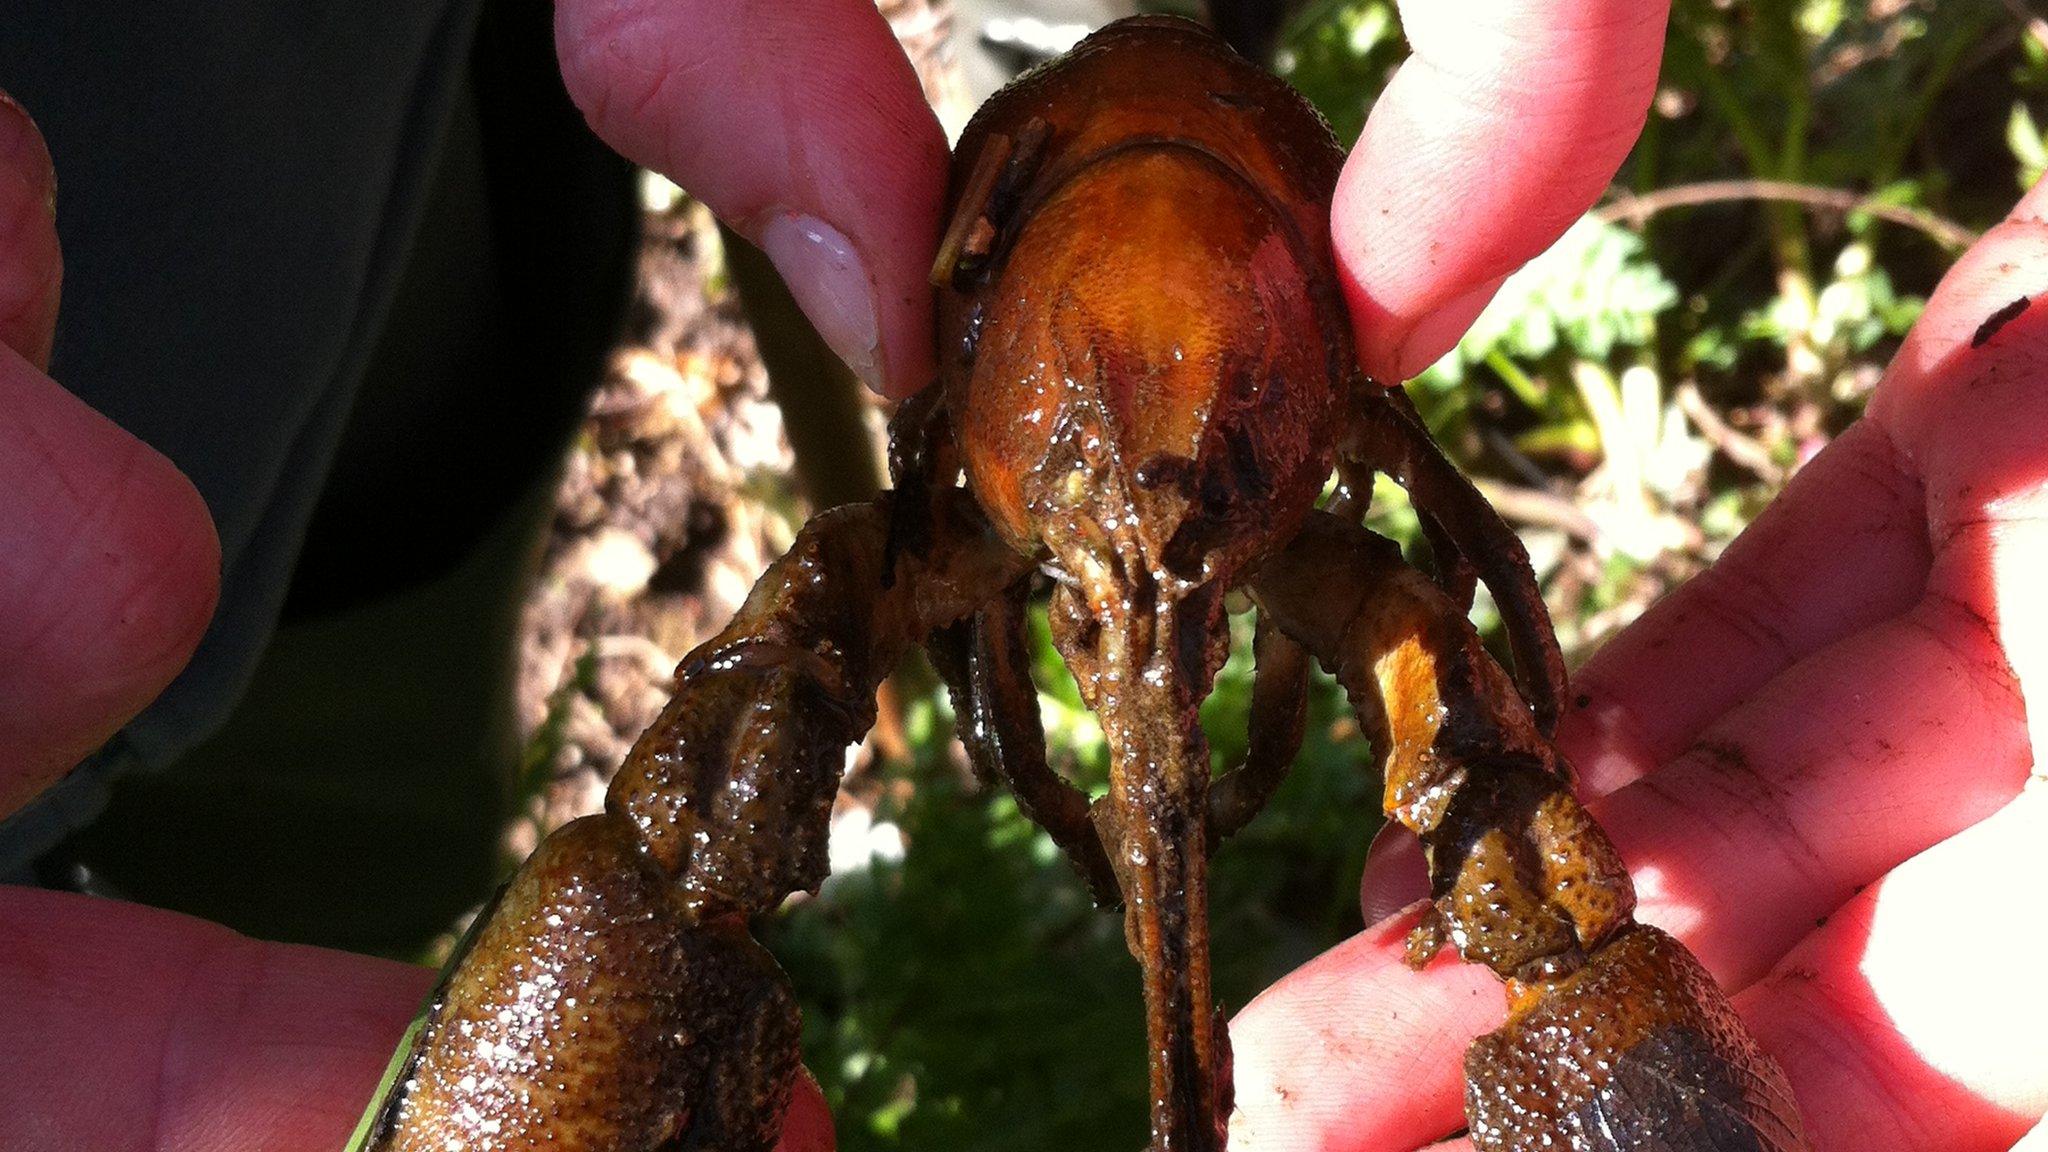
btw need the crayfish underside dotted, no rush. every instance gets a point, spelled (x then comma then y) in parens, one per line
(1147, 379)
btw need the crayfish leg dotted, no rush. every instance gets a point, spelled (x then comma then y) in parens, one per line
(1279, 715)
(1409, 662)
(1617, 1038)
(1386, 433)
(987, 668)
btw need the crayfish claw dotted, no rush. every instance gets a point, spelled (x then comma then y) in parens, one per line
(595, 1012)
(1426, 939)
(1637, 1051)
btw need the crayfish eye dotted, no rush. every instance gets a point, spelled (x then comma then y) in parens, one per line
(1163, 471)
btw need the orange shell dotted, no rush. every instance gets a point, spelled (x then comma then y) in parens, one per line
(1152, 335)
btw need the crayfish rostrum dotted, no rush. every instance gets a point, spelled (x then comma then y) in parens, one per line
(1148, 380)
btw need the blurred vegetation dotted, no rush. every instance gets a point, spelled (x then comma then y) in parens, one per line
(1631, 401)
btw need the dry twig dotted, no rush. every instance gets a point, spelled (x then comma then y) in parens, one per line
(1746, 451)
(1636, 209)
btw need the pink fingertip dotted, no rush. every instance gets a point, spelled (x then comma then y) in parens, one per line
(1439, 331)
(801, 125)
(107, 583)
(807, 1125)
(1506, 124)
(31, 269)
(1602, 741)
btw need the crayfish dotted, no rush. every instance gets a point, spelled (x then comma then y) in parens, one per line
(1147, 382)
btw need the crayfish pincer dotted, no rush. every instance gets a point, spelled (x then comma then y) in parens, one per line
(1147, 380)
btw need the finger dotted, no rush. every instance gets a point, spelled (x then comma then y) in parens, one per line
(1842, 767)
(1910, 1020)
(801, 125)
(1353, 1052)
(30, 269)
(154, 1030)
(1836, 771)
(1395, 874)
(1966, 400)
(1844, 546)
(1948, 460)
(108, 563)
(1501, 129)
(108, 575)
(1914, 1019)
(807, 1126)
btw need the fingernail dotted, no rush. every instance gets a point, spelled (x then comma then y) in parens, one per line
(825, 273)
(21, 148)
(1395, 875)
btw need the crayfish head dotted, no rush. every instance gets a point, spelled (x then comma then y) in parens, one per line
(1152, 387)
(1145, 338)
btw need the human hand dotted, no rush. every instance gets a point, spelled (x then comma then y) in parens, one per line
(128, 1025)
(152, 1029)
(109, 566)
(132, 1027)
(803, 127)
(1809, 757)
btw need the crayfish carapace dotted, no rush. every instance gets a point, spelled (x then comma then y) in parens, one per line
(1148, 379)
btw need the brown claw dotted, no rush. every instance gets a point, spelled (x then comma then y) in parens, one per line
(1638, 1051)
(592, 1013)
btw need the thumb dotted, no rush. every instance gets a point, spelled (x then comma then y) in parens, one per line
(802, 125)
(1505, 126)
(108, 562)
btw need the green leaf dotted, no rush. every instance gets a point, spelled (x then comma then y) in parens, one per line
(2023, 138)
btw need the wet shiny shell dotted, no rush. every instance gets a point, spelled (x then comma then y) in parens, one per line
(1155, 324)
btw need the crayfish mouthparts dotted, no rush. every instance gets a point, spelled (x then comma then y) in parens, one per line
(1147, 378)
